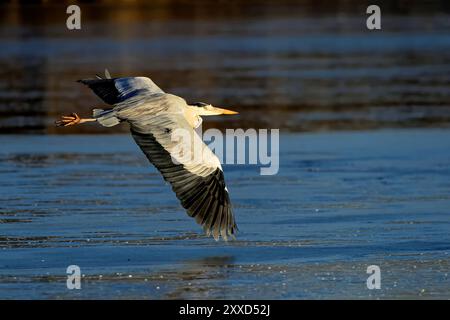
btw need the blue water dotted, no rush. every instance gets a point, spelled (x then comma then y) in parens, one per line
(340, 202)
(282, 64)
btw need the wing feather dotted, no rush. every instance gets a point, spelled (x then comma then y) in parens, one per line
(153, 115)
(116, 90)
(200, 186)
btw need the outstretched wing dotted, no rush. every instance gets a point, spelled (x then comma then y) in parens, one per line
(116, 90)
(197, 182)
(154, 117)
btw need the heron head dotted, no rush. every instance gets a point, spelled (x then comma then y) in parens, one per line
(205, 109)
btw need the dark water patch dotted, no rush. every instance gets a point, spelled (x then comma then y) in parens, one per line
(292, 65)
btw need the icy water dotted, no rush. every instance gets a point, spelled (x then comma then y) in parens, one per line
(341, 202)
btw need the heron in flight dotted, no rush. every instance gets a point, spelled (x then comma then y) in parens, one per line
(153, 115)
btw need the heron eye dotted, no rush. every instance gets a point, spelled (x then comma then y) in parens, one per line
(200, 104)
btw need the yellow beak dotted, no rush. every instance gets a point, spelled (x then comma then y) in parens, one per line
(226, 111)
(212, 111)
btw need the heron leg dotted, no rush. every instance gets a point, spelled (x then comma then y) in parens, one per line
(72, 120)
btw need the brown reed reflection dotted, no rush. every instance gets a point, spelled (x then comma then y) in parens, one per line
(295, 65)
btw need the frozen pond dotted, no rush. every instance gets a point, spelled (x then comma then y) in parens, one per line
(341, 202)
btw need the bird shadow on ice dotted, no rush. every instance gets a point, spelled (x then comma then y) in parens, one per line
(199, 278)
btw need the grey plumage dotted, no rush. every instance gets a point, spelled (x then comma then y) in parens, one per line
(153, 116)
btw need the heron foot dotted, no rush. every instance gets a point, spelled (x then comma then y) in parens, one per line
(69, 120)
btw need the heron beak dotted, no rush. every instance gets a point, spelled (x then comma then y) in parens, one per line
(213, 111)
(226, 111)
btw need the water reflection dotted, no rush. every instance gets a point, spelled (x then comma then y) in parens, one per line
(296, 66)
(202, 278)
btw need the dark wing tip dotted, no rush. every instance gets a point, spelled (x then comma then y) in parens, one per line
(105, 89)
(224, 226)
(97, 76)
(88, 81)
(206, 199)
(215, 213)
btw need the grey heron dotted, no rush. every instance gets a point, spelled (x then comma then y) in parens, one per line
(152, 115)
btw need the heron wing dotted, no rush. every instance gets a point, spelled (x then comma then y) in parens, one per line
(199, 183)
(116, 90)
